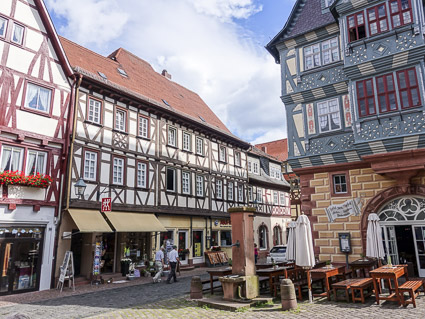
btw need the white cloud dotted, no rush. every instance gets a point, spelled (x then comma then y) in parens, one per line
(199, 44)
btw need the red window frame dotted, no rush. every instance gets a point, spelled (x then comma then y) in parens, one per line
(386, 92)
(356, 25)
(400, 13)
(408, 88)
(365, 97)
(377, 19)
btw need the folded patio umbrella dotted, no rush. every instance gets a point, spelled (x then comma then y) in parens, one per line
(304, 252)
(374, 244)
(290, 246)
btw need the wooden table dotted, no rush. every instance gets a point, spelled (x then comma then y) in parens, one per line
(272, 273)
(362, 265)
(218, 272)
(388, 273)
(268, 265)
(324, 273)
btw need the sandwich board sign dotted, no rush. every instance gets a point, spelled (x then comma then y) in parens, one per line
(67, 271)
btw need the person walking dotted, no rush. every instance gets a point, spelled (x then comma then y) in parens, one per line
(255, 252)
(159, 264)
(173, 257)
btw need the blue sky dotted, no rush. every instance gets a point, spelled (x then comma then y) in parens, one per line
(213, 47)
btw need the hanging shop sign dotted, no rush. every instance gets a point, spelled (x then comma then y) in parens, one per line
(106, 205)
(348, 208)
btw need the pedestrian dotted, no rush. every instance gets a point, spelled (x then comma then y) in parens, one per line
(159, 264)
(173, 258)
(255, 252)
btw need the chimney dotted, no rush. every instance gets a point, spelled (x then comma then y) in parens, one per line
(166, 74)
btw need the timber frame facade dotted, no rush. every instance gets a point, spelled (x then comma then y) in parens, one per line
(353, 89)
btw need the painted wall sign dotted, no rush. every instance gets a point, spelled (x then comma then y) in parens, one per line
(348, 208)
(347, 112)
(310, 119)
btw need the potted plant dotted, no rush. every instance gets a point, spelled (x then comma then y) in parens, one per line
(328, 264)
(125, 266)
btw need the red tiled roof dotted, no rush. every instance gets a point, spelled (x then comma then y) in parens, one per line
(278, 149)
(143, 80)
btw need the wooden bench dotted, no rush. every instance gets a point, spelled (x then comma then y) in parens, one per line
(412, 287)
(419, 279)
(343, 285)
(362, 285)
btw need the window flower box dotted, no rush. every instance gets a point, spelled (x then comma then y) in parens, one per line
(20, 179)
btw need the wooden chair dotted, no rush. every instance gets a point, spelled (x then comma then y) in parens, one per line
(412, 287)
(361, 285)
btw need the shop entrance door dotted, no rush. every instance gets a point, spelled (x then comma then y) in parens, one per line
(182, 247)
(419, 233)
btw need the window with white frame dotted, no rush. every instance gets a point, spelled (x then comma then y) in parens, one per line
(219, 189)
(171, 179)
(38, 98)
(11, 158)
(321, 53)
(259, 195)
(255, 168)
(90, 165)
(186, 183)
(329, 117)
(3, 27)
(230, 190)
(94, 111)
(142, 173)
(275, 198)
(282, 199)
(120, 120)
(240, 192)
(18, 34)
(238, 161)
(199, 185)
(186, 142)
(118, 171)
(312, 56)
(330, 51)
(143, 126)
(199, 146)
(250, 195)
(36, 162)
(222, 153)
(172, 136)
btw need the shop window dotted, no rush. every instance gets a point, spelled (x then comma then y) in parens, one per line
(186, 183)
(172, 136)
(18, 34)
(11, 158)
(198, 249)
(277, 235)
(219, 189)
(238, 161)
(356, 27)
(214, 238)
(94, 111)
(226, 238)
(408, 88)
(3, 27)
(222, 153)
(142, 174)
(90, 165)
(262, 237)
(329, 117)
(401, 12)
(143, 126)
(386, 93)
(199, 185)
(199, 146)
(167, 239)
(187, 146)
(171, 179)
(365, 97)
(118, 170)
(377, 18)
(38, 98)
(230, 190)
(121, 120)
(340, 184)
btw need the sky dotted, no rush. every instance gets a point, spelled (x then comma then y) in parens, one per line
(212, 47)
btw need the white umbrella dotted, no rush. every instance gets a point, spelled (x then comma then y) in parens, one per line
(374, 245)
(304, 252)
(290, 246)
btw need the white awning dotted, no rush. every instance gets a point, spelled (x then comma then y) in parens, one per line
(89, 221)
(135, 222)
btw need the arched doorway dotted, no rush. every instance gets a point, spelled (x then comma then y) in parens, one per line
(403, 223)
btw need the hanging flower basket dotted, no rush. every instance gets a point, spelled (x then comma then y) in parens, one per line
(19, 178)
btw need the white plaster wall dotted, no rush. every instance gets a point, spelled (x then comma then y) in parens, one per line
(45, 218)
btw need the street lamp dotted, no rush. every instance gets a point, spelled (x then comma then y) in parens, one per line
(80, 188)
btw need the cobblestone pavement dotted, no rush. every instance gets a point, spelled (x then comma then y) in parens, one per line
(148, 300)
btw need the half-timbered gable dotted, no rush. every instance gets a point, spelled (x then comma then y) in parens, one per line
(35, 100)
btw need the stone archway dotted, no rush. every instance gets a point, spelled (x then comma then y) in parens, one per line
(382, 198)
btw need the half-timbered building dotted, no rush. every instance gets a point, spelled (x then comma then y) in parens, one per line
(268, 192)
(169, 165)
(35, 95)
(353, 88)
